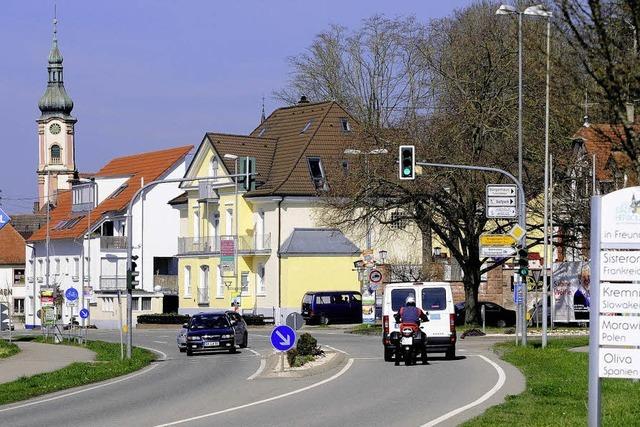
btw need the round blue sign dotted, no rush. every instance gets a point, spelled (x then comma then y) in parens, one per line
(71, 294)
(84, 313)
(283, 338)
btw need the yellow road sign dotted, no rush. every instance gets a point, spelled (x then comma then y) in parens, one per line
(517, 232)
(496, 240)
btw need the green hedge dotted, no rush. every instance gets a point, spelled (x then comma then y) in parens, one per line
(173, 319)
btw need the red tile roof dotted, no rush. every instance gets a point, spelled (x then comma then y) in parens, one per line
(12, 246)
(602, 140)
(145, 166)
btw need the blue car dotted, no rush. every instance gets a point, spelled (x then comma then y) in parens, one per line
(215, 331)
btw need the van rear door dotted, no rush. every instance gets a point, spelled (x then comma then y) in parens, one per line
(434, 303)
(397, 300)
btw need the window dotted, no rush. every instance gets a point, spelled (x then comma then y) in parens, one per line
(107, 305)
(262, 131)
(397, 221)
(187, 281)
(146, 303)
(67, 224)
(229, 222)
(346, 127)
(345, 168)
(18, 306)
(317, 173)
(307, 126)
(39, 268)
(135, 304)
(18, 276)
(434, 299)
(196, 224)
(118, 191)
(55, 155)
(260, 279)
(219, 283)
(57, 266)
(244, 282)
(31, 269)
(399, 297)
(76, 268)
(213, 170)
(204, 277)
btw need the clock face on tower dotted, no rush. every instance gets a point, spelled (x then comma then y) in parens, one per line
(54, 128)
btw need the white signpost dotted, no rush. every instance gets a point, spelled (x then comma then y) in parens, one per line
(614, 336)
(502, 201)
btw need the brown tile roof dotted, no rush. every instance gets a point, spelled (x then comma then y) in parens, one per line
(601, 140)
(145, 166)
(12, 246)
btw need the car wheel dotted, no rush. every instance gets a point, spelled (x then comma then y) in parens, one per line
(245, 341)
(324, 320)
(233, 350)
(388, 354)
(451, 353)
(182, 350)
(189, 352)
(501, 323)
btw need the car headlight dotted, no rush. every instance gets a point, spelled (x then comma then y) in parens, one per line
(194, 338)
(227, 336)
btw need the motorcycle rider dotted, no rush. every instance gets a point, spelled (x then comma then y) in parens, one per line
(410, 314)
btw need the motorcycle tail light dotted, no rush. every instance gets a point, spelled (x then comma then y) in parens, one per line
(385, 324)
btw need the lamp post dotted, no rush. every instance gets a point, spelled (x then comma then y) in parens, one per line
(356, 152)
(237, 216)
(539, 11)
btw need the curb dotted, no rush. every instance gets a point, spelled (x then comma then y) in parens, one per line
(273, 361)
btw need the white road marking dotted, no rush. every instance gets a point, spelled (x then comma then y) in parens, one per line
(263, 364)
(235, 408)
(163, 336)
(161, 342)
(261, 336)
(162, 353)
(254, 352)
(336, 349)
(497, 386)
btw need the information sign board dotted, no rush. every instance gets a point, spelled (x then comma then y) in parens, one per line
(620, 330)
(619, 363)
(496, 240)
(228, 255)
(619, 298)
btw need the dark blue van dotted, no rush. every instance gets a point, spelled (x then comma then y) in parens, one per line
(326, 307)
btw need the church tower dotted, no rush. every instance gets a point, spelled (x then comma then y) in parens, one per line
(56, 145)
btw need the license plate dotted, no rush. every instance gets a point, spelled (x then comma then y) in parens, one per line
(211, 344)
(406, 341)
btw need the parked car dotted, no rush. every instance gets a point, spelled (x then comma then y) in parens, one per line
(332, 307)
(214, 331)
(436, 299)
(495, 315)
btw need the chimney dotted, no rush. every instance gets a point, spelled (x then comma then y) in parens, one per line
(303, 100)
(630, 112)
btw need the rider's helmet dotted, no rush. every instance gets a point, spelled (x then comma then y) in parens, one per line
(411, 300)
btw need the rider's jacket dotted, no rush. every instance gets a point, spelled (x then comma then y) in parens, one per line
(411, 314)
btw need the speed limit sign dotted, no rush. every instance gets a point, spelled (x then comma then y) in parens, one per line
(375, 276)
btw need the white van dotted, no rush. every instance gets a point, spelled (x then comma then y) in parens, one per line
(436, 300)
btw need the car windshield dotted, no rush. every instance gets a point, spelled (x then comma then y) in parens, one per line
(434, 299)
(399, 296)
(209, 322)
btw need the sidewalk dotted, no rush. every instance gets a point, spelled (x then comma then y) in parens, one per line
(35, 358)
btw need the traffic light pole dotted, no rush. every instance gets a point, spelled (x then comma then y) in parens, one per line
(521, 221)
(129, 217)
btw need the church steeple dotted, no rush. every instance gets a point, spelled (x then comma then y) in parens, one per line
(55, 100)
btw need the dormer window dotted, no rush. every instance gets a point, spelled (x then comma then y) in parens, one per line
(118, 191)
(307, 126)
(317, 173)
(262, 131)
(55, 155)
(346, 127)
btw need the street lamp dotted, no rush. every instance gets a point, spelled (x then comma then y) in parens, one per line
(237, 217)
(356, 152)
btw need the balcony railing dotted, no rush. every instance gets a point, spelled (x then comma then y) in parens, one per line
(113, 283)
(109, 243)
(167, 283)
(211, 245)
(203, 296)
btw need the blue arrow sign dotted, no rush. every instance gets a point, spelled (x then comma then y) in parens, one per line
(4, 219)
(71, 294)
(283, 338)
(84, 313)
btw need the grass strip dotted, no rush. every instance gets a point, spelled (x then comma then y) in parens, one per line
(557, 385)
(77, 374)
(366, 329)
(8, 349)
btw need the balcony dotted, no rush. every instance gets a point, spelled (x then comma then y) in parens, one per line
(113, 283)
(247, 245)
(111, 243)
(168, 284)
(203, 296)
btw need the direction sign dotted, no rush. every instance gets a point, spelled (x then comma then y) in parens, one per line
(620, 266)
(283, 338)
(501, 201)
(84, 313)
(619, 362)
(496, 240)
(497, 251)
(4, 219)
(375, 276)
(501, 212)
(620, 330)
(295, 320)
(619, 298)
(71, 294)
(501, 190)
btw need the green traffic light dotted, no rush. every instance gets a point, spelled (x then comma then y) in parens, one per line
(406, 171)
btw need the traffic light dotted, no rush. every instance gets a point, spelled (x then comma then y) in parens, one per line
(523, 262)
(407, 158)
(132, 274)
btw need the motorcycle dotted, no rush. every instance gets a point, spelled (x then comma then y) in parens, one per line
(408, 343)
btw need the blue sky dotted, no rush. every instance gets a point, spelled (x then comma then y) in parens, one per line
(151, 74)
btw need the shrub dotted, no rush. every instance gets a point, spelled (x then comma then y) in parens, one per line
(253, 319)
(308, 345)
(291, 356)
(164, 318)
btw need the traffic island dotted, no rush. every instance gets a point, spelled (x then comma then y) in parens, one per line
(323, 363)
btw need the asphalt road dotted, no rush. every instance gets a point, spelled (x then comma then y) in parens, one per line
(215, 389)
